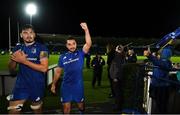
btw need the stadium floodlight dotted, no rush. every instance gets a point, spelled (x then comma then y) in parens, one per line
(31, 10)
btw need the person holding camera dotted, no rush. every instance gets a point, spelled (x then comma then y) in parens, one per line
(116, 75)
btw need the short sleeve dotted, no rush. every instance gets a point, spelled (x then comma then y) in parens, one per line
(44, 49)
(60, 62)
(16, 48)
(82, 53)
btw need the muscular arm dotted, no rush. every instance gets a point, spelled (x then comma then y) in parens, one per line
(43, 66)
(88, 43)
(12, 65)
(20, 57)
(57, 75)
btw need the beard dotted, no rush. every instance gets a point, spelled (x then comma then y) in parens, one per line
(29, 40)
(72, 49)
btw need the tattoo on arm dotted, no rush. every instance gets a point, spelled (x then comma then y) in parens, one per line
(43, 54)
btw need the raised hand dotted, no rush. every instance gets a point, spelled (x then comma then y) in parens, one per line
(84, 26)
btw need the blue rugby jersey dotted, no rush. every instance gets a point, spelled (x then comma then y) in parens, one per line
(72, 63)
(28, 78)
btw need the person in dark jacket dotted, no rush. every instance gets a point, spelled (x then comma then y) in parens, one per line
(110, 56)
(88, 59)
(97, 63)
(116, 75)
(131, 56)
(159, 87)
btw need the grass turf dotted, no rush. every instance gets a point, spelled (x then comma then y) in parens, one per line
(99, 94)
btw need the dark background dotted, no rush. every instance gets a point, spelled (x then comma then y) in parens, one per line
(117, 18)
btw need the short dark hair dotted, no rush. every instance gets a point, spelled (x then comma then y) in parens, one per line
(71, 38)
(27, 26)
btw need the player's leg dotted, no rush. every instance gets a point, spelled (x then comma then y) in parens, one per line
(36, 98)
(81, 107)
(94, 79)
(78, 97)
(17, 99)
(99, 77)
(15, 107)
(37, 107)
(66, 97)
(67, 107)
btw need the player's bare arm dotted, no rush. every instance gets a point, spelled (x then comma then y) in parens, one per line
(12, 65)
(88, 43)
(21, 57)
(57, 75)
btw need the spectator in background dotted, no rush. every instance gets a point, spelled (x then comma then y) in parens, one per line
(159, 87)
(116, 75)
(110, 56)
(97, 63)
(131, 56)
(178, 73)
(88, 59)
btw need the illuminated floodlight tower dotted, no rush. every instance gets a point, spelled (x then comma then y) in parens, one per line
(31, 10)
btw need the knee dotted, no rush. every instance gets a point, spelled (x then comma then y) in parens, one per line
(66, 110)
(36, 106)
(16, 108)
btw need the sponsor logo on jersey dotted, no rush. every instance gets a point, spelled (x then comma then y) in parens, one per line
(70, 61)
(32, 59)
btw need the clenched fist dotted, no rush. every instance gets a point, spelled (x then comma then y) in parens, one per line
(84, 26)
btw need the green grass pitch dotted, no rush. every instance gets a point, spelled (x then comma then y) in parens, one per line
(99, 94)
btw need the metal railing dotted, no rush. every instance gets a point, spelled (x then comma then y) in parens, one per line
(147, 104)
(50, 74)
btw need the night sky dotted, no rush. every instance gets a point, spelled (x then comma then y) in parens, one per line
(117, 18)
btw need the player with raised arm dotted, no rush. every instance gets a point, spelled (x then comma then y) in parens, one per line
(72, 62)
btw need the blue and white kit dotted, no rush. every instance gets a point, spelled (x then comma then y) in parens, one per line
(72, 85)
(30, 83)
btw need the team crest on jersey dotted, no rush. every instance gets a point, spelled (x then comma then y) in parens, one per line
(64, 57)
(33, 50)
(38, 98)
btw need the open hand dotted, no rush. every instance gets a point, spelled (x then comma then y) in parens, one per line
(19, 56)
(53, 88)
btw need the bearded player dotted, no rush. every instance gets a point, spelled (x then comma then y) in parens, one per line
(72, 89)
(32, 60)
